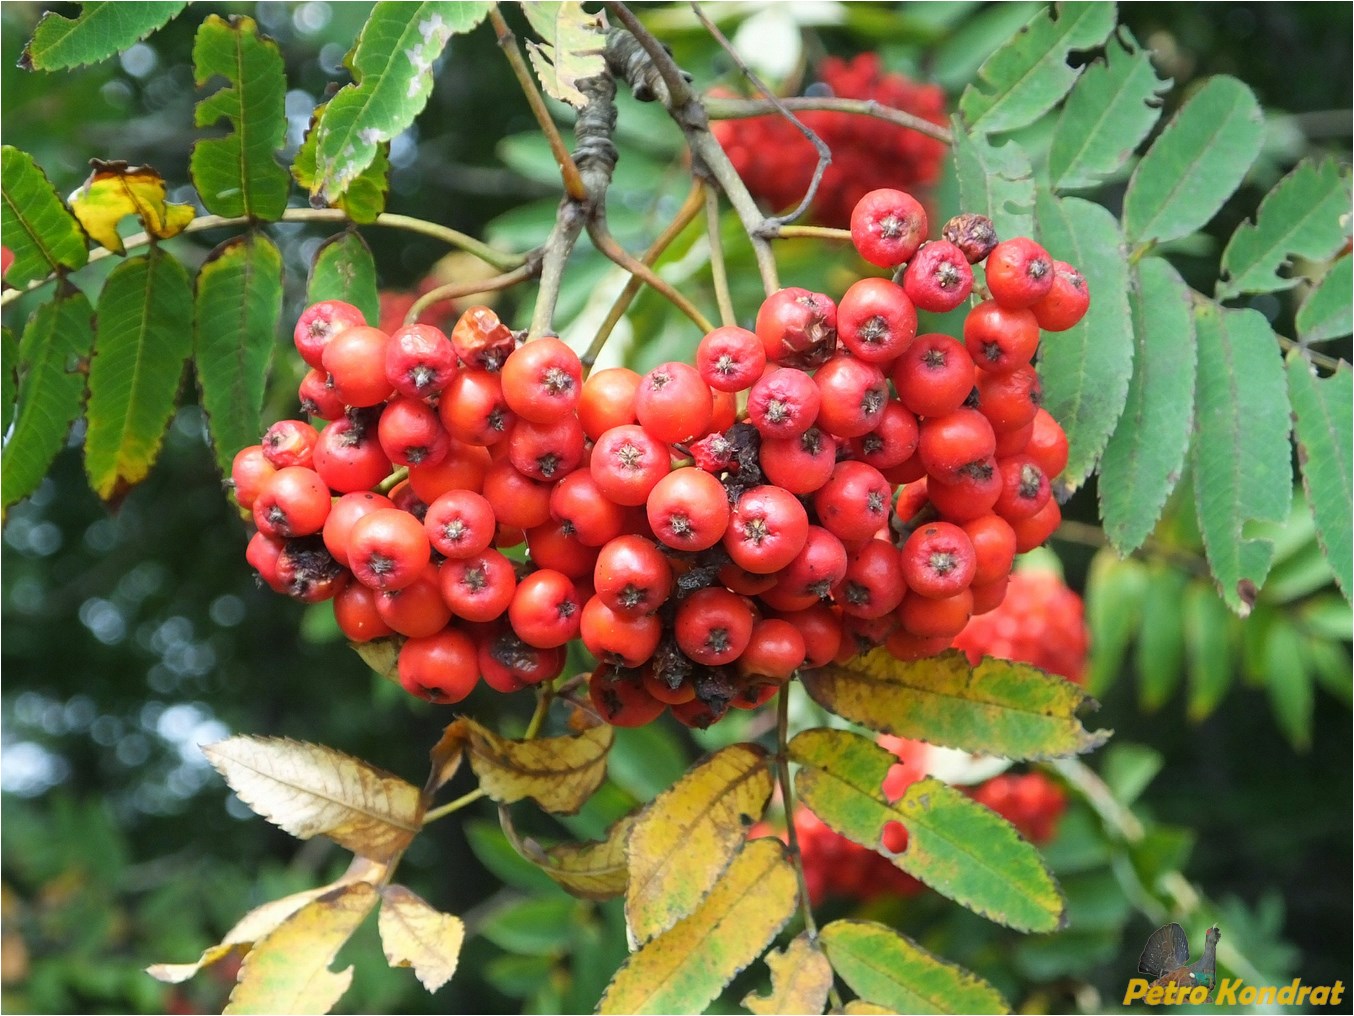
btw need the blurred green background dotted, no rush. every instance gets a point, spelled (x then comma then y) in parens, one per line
(130, 638)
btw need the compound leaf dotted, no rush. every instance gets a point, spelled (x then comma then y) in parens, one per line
(595, 870)
(892, 971)
(238, 174)
(686, 967)
(996, 181)
(1161, 640)
(309, 789)
(37, 226)
(53, 352)
(1241, 455)
(115, 190)
(1306, 215)
(997, 708)
(364, 199)
(1323, 421)
(1195, 163)
(801, 978)
(1208, 649)
(1112, 107)
(558, 773)
(1143, 458)
(343, 269)
(144, 335)
(102, 29)
(9, 377)
(1086, 369)
(393, 70)
(958, 847)
(1027, 76)
(1289, 682)
(1328, 311)
(238, 307)
(688, 834)
(571, 50)
(413, 934)
(1115, 589)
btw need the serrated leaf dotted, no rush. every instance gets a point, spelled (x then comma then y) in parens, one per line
(343, 269)
(891, 970)
(239, 174)
(288, 971)
(1305, 215)
(1028, 76)
(1195, 163)
(1086, 369)
(144, 335)
(309, 789)
(53, 352)
(801, 978)
(997, 708)
(1289, 683)
(413, 934)
(392, 66)
(1161, 640)
(595, 870)
(1328, 311)
(1112, 107)
(558, 773)
(115, 190)
(996, 181)
(1145, 454)
(958, 847)
(1323, 420)
(364, 199)
(1114, 593)
(1206, 621)
(686, 836)
(44, 236)
(445, 756)
(571, 52)
(103, 29)
(686, 967)
(236, 314)
(1241, 456)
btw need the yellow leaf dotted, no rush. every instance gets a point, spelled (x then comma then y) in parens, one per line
(446, 757)
(115, 190)
(801, 978)
(595, 870)
(686, 967)
(288, 971)
(859, 1007)
(413, 934)
(689, 833)
(381, 655)
(309, 789)
(559, 773)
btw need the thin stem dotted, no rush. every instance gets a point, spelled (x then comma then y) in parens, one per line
(393, 480)
(1072, 531)
(739, 109)
(454, 806)
(606, 243)
(543, 700)
(813, 232)
(718, 272)
(507, 41)
(456, 290)
(1323, 360)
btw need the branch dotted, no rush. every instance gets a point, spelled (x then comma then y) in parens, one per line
(740, 109)
(718, 273)
(606, 243)
(456, 290)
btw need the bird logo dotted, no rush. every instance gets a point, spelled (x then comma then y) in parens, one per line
(1165, 959)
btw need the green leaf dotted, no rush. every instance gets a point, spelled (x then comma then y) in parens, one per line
(1114, 602)
(1323, 421)
(958, 847)
(997, 708)
(1289, 683)
(343, 269)
(1330, 664)
(1327, 312)
(1241, 456)
(1306, 215)
(144, 334)
(238, 174)
(1128, 769)
(540, 926)
(236, 314)
(1113, 106)
(44, 236)
(53, 353)
(995, 180)
(1144, 456)
(1027, 77)
(571, 52)
(1161, 641)
(1195, 163)
(1085, 370)
(9, 377)
(392, 67)
(887, 968)
(103, 29)
(365, 196)
(1208, 646)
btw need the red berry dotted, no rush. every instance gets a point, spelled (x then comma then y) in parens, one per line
(319, 323)
(876, 320)
(1000, 338)
(673, 402)
(420, 361)
(767, 529)
(1066, 302)
(784, 403)
(441, 668)
(481, 340)
(939, 278)
(542, 380)
(387, 549)
(887, 227)
(934, 375)
(730, 358)
(798, 328)
(938, 560)
(1019, 272)
(688, 509)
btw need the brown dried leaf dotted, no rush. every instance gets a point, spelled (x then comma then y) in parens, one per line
(801, 978)
(559, 773)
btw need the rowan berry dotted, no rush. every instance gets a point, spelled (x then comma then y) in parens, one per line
(798, 328)
(1000, 338)
(853, 394)
(783, 403)
(607, 400)
(292, 502)
(713, 626)
(688, 509)
(934, 375)
(481, 340)
(766, 530)
(854, 503)
(938, 560)
(420, 361)
(346, 510)
(416, 610)
(730, 358)
(1019, 272)
(887, 227)
(542, 380)
(938, 279)
(1066, 302)
(632, 576)
(673, 402)
(441, 668)
(460, 523)
(478, 588)
(876, 320)
(319, 323)
(387, 548)
(799, 464)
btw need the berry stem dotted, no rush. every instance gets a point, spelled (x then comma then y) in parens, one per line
(606, 243)
(454, 806)
(740, 109)
(457, 290)
(718, 273)
(814, 232)
(393, 480)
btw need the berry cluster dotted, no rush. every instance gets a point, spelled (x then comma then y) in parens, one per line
(777, 162)
(701, 553)
(1041, 621)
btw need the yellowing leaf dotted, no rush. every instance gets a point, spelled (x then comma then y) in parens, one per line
(559, 773)
(571, 52)
(309, 789)
(445, 757)
(689, 833)
(595, 870)
(288, 972)
(801, 977)
(996, 708)
(413, 934)
(686, 967)
(381, 655)
(115, 190)
(859, 1007)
